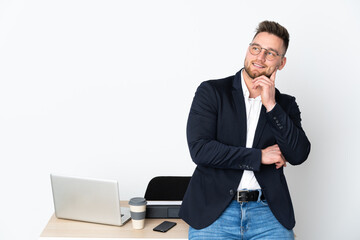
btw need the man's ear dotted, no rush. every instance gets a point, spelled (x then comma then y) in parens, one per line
(282, 64)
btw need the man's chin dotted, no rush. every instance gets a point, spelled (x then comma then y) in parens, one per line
(255, 74)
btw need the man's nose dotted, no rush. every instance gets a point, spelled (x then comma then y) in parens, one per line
(262, 55)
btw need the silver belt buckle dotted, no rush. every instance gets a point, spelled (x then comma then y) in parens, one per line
(238, 196)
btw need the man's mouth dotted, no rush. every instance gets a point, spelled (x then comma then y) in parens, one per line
(257, 65)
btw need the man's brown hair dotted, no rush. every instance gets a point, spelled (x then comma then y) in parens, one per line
(276, 29)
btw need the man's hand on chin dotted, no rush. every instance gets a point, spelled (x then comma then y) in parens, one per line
(267, 86)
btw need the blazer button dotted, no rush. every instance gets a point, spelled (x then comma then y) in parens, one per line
(231, 192)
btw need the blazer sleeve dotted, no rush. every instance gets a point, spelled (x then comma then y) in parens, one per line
(290, 136)
(204, 147)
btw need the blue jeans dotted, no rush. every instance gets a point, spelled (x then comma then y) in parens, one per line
(245, 221)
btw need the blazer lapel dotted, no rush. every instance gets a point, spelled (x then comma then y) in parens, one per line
(260, 126)
(239, 103)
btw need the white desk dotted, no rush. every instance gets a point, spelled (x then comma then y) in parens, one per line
(60, 229)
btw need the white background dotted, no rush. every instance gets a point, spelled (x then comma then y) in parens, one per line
(103, 89)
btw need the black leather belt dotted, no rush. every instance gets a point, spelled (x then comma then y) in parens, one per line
(248, 196)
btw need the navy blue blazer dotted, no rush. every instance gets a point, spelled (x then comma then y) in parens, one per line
(216, 134)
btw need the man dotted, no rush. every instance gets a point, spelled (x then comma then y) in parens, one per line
(241, 133)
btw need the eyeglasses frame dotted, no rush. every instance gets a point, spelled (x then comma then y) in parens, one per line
(266, 50)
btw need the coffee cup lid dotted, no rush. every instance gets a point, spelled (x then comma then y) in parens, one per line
(137, 201)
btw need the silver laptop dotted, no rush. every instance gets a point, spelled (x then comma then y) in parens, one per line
(89, 200)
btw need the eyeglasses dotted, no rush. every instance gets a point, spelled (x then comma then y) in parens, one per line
(255, 49)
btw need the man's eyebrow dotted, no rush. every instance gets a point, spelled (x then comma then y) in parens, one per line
(269, 49)
(256, 44)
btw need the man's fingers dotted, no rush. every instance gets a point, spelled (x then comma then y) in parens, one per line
(273, 75)
(275, 146)
(261, 78)
(262, 83)
(273, 155)
(280, 164)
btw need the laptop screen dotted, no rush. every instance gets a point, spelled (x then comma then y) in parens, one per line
(86, 199)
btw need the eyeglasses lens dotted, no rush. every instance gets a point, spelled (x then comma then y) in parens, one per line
(256, 50)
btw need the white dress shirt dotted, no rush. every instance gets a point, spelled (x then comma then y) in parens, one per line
(253, 109)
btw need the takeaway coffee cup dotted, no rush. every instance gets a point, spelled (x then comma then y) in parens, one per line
(138, 211)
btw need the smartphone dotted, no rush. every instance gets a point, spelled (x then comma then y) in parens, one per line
(164, 226)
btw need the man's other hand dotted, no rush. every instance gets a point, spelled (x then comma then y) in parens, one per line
(273, 155)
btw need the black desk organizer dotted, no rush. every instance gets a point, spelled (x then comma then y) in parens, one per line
(165, 189)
